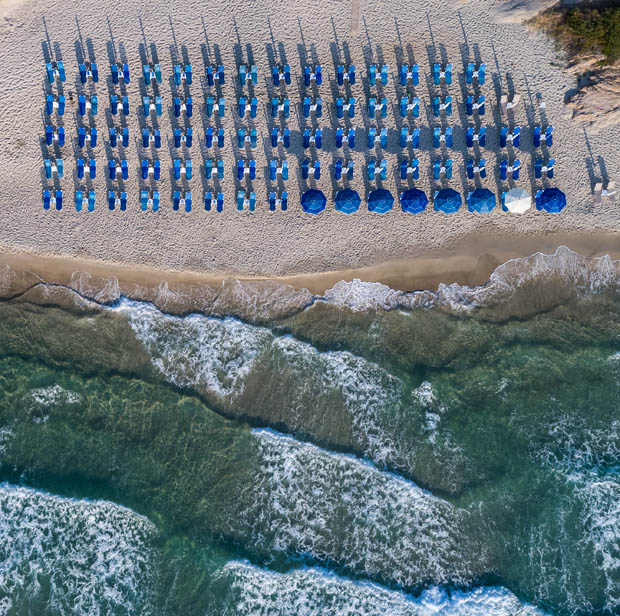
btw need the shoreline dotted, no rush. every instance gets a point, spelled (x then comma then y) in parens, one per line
(469, 262)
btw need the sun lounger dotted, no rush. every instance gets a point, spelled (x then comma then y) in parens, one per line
(281, 136)
(120, 74)
(88, 70)
(248, 75)
(284, 74)
(347, 74)
(409, 74)
(372, 74)
(313, 74)
(410, 168)
(442, 73)
(445, 169)
(53, 103)
(55, 70)
(472, 73)
(215, 73)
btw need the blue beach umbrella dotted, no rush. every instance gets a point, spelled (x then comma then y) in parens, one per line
(380, 201)
(551, 200)
(482, 200)
(447, 200)
(347, 201)
(413, 201)
(313, 201)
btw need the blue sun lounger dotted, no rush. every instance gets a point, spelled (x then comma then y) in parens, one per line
(146, 200)
(209, 134)
(85, 137)
(409, 104)
(180, 137)
(147, 106)
(548, 136)
(242, 202)
(312, 137)
(116, 74)
(410, 168)
(182, 168)
(480, 137)
(284, 74)
(88, 70)
(85, 104)
(445, 169)
(275, 169)
(148, 169)
(52, 104)
(374, 138)
(513, 137)
(505, 169)
(315, 107)
(345, 74)
(409, 73)
(215, 74)
(114, 169)
(546, 168)
(280, 105)
(219, 201)
(372, 169)
(372, 107)
(53, 167)
(244, 71)
(442, 138)
(79, 198)
(439, 106)
(313, 74)
(55, 70)
(478, 106)
(283, 137)
(372, 74)
(52, 135)
(151, 73)
(339, 166)
(440, 73)
(274, 202)
(181, 75)
(243, 137)
(349, 107)
(48, 200)
(472, 73)
(148, 138)
(219, 165)
(480, 168)
(412, 137)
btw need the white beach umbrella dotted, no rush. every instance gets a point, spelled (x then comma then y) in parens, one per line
(517, 201)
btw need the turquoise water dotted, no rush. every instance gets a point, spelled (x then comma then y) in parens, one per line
(373, 453)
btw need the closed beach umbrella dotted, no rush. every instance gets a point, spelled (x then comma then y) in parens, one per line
(447, 200)
(413, 201)
(551, 200)
(347, 201)
(481, 200)
(380, 201)
(313, 201)
(516, 201)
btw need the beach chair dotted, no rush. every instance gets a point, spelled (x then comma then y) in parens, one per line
(442, 73)
(87, 70)
(313, 74)
(479, 73)
(345, 74)
(242, 202)
(280, 105)
(181, 75)
(215, 73)
(541, 168)
(151, 73)
(440, 106)
(341, 107)
(410, 168)
(55, 70)
(149, 106)
(52, 135)
(58, 200)
(244, 137)
(114, 104)
(474, 169)
(409, 104)
(315, 107)
(180, 137)
(478, 106)
(248, 75)
(182, 168)
(372, 74)
(87, 137)
(284, 74)
(275, 202)
(480, 137)
(372, 107)
(512, 137)
(91, 201)
(275, 170)
(122, 74)
(53, 167)
(409, 74)
(85, 105)
(57, 104)
(283, 137)
(445, 169)
(312, 138)
(148, 137)
(442, 138)
(372, 169)
(48, 200)
(412, 137)
(374, 138)
(79, 198)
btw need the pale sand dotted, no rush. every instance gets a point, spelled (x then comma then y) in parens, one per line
(288, 243)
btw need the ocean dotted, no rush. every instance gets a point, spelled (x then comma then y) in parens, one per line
(367, 452)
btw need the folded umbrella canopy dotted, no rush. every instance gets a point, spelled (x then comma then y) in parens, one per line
(481, 200)
(516, 201)
(413, 201)
(347, 200)
(447, 200)
(313, 201)
(551, 200)
(380, 201)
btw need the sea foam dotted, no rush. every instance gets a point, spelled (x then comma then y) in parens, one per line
(314, 592)
(77, 556)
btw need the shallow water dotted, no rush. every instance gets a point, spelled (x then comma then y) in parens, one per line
(375, 452)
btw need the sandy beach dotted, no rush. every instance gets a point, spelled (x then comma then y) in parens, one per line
(401, 249)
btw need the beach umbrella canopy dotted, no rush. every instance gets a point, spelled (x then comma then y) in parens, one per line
(516, 201)
(413, 201)
(552, 200)
(380, 200)
(447, 200)
(481, 200)
(347, 201)
(313, 201)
